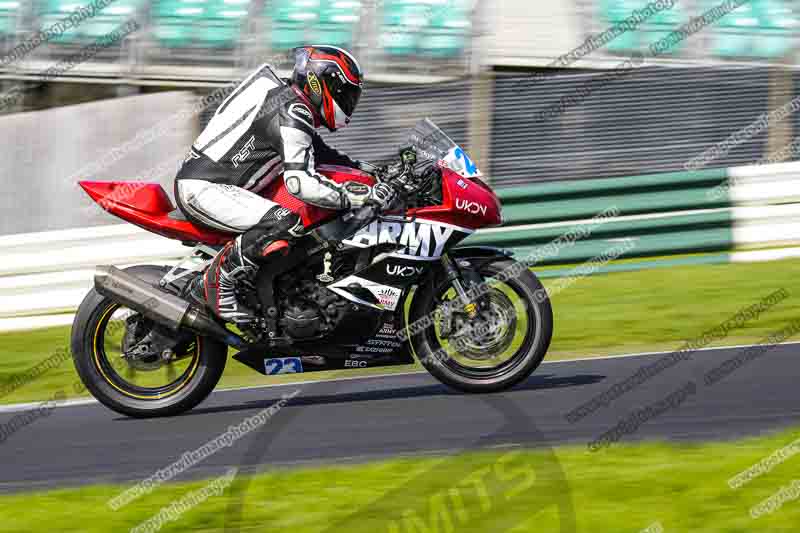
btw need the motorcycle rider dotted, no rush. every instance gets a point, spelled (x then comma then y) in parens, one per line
(267, 127)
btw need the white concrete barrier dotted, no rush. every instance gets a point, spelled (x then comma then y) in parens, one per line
(52, 271)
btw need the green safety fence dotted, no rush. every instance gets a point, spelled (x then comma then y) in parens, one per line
(756, 29)
(656, 215)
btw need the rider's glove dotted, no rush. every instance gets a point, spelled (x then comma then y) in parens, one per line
(357, 193)
(382, 195)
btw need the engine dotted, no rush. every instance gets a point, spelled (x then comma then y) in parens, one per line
(310, 311)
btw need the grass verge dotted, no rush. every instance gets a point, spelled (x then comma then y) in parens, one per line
(625, 488)
(616, 313)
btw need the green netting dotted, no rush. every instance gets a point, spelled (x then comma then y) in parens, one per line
(338, 21)
(99, 26)
(172, 32)
(775, 14)
(227, 9)
(8, 25)
(293, 11)
(61, 6)
(122, 8)
(175, 21)
(224, 23)
(656, 27)
(626, 42)
(9, 6)
(615, 11)
(663, 23)
(618, 10)
(448, 26)
(339, 13)
(734, 32)
(170, 10)
(443, 43)
(47, 6)
(335, 35)
(776, 20)
(206, 23)
(70, 35)
(285, 36)
(220, 34)
(402, 22)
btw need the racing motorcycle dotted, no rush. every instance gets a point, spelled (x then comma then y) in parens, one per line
(360, 290)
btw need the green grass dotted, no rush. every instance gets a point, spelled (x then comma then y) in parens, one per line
(621, 489)
(662, 308)
(598, 315)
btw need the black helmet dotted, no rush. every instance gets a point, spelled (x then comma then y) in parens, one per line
(332, 79)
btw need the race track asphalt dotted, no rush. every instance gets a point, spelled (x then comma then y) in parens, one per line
(363, 419)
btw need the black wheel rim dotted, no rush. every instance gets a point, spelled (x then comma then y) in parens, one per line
(525, 321)
(133, 379)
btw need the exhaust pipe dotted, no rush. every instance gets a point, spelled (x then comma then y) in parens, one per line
(163, 307)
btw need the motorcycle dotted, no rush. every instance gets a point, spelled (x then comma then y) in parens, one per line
(360, 290)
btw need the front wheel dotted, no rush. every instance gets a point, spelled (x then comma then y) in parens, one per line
(158, 384)
(491, 351)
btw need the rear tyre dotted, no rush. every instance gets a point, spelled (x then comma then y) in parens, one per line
(142, 388)
(501, 347)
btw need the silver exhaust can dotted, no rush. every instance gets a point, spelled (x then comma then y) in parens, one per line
(163, 307)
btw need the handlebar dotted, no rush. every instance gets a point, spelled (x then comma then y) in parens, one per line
(401, 175)
(361, 216)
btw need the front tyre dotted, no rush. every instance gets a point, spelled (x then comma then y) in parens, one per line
(147, 387)
(494, 351)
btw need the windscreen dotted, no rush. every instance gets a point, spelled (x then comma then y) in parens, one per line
(433, 145)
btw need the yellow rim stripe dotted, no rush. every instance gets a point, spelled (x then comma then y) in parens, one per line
(130, 394)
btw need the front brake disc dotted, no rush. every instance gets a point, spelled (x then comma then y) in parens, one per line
(490, 333)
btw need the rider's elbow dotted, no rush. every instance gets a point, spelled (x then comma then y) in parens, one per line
(311, 190)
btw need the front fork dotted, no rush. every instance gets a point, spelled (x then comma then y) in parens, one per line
(454, 277)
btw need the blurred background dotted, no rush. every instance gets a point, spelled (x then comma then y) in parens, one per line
(569, 107)
(468, 64)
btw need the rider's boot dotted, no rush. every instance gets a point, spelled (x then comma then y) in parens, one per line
(235, 267)
(217, 288)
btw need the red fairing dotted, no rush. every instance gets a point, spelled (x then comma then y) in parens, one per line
(312, 215)
(148, 206)
(466, 202)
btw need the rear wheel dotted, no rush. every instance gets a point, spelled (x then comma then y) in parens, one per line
(105, 339)
(496, 349)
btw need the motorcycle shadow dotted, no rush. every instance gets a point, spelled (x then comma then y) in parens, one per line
(534, 383)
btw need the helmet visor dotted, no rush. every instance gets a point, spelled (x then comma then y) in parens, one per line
(348, 98)
(345, 93)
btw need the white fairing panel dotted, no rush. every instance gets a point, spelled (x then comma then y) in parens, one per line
(420, 239)
(388, 296)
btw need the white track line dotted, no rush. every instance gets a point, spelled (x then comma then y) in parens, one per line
(644, 354)
(12, 408)
(17, 407)
(33, 323)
